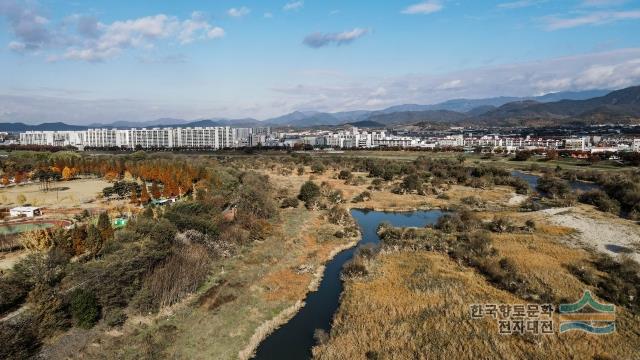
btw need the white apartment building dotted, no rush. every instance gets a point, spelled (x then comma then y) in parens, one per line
(207, 137)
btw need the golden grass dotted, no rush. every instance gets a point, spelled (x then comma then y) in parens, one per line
(416, 306)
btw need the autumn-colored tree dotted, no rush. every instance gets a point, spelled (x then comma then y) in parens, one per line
(111, 175)
(78, 237)
(36, 240)
(155, 190)
(104, 226)
(134, 197)
(5, 181)
(144, 194)
(19, 177)
(67, 173)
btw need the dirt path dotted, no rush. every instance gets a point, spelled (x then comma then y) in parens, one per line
(607, 234)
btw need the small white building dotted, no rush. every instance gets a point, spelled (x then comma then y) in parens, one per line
(28, 211)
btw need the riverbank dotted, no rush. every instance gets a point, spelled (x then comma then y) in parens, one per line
(269, 326)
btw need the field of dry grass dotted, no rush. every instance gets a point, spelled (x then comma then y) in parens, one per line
(415, 305)
(70, 194)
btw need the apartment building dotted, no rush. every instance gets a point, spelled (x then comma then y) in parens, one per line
(207, 137)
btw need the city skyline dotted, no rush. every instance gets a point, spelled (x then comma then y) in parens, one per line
(113, 61)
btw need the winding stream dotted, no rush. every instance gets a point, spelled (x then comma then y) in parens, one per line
(294, 340)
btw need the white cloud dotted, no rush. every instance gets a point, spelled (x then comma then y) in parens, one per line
(520, 4)
(427, 7)
(95, 41)
(450, 85)
(268, 15)
(604, 70)
(294, 5)
(602, 3)
(595, 18)
(239, 12)
(215, 32)
(317, 40)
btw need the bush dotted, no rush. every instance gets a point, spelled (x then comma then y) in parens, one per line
(321, 336)
(601, 200)
(523, 155)
(178, 275)
(354, 268)
(363, 196)
(289, 203)
(317, 167)
(345, 175)
(84, 308)
(338, 215)
(501, 224)
(115, 317)
(18, 339)
(554, 187)
(309, 191)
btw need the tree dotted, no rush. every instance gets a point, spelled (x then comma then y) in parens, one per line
(309, 191)
(155, 190)
(523, 155)
(552, 154)
(144, 194)
(104, 226)
(67, 173)
(94, 240)
(134, 197)
(5, 181)
(84, 308)
(21, 199)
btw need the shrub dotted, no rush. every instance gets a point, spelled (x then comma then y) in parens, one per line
(523, 155)
(530, 224)
(178, 275)
(84, 308)
(472, 201)
(345, 175)
(554, 187)
(309, 191)
(18, 339)
(317, 167)
(501, 224)
(321, 336)
(289, 203)
(354, 268)
(338, 215)
(363, 196)
(601, 200)
(115, 317)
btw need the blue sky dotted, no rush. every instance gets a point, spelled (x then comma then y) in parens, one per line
(100, 61)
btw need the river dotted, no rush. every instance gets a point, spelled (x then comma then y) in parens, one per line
(532, 180)
(294, 340)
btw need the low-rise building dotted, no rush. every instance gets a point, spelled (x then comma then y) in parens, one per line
(26, 211)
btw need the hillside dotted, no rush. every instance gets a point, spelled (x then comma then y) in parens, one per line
(618, 106)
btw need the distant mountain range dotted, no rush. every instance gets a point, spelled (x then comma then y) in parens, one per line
(588, 107)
